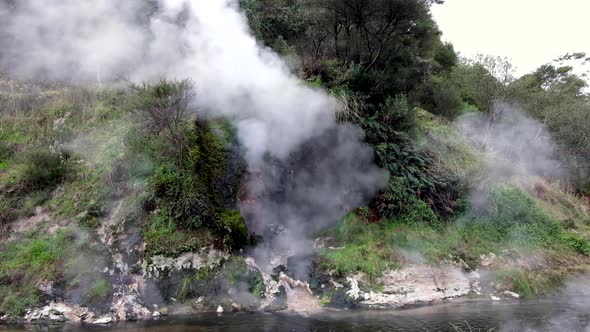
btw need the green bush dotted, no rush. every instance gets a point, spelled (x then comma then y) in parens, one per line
(164, 108)
(574, 242)
(191, 191)
(397, 114)
(15, 302)
(513, 216)
(5, 152)
(41, 169)
(399, 201)
(235, 227)
(364, 249)
(438, 96)
(164, 237)
(181, 198)
(99, 289)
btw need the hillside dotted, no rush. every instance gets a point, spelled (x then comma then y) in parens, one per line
(385, 174)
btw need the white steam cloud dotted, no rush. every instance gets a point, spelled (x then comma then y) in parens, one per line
(513, 147)
(206, 41)
(512, 143)
(209, 42)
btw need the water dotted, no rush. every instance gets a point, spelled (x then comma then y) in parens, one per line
(545, 315)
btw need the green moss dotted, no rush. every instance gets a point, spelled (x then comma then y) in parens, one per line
(191, 192)
(236, 273)
(236, 229)
(164, 237)
(35, 258)
(235, 269)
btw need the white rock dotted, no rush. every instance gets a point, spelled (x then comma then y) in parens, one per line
(354, 292)
(55, 315)
(511, 294)
(219, 309)
(494, 298)
(104, 320)
(156, 314)
(487, 260)
(417, 284)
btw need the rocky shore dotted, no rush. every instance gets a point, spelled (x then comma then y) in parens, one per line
(155, 288)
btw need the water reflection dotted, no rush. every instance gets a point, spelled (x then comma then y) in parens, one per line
(540, 315)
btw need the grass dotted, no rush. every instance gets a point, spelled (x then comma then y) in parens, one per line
(67, 256)
(365, 249)
(66, 139)
(513, 219)
(451, 152)
(99, 289)
(164, 237)
(529, 283)
(24, 264)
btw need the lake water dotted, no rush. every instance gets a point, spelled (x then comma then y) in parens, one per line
(538, 315)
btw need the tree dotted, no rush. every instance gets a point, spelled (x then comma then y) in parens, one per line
(556, 96)
(362, 31)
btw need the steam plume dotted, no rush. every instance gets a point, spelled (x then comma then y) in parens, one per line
(278, 118)
(514, 148)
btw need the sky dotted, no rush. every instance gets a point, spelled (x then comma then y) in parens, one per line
(529, 32)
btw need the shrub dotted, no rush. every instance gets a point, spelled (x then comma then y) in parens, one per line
(196, 193)
(397, 114)
(400, 201)
(180, 197)
(15, 303)
(235, 227)
(164, 237)
(439, 97)
(513, 216)
(41, 169)
(575, 243)
(164, 107)
(5, 151)
(447, 102)
(98, 289)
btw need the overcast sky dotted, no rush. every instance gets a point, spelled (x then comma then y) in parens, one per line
(530, 32)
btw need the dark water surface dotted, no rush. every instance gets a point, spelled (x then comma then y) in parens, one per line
(544, 315)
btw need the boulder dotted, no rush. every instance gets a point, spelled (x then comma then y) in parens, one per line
(511, 294)
(105, 320)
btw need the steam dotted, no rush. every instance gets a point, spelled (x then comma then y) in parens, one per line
(514, 149)
(514, 144)
(309, 169)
